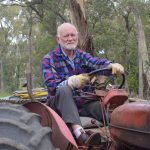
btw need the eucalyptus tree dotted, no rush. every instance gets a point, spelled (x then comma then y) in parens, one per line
(6, 38)
(133, 14)
(127, 43)
(19, 36)
(79, 18)
(144, 63)
(100, 19)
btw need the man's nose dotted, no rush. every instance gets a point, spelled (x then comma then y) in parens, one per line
(70, 37)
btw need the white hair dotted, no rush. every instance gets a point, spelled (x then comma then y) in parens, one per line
(60, 27)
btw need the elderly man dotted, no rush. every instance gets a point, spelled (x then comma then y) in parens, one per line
(63, 74)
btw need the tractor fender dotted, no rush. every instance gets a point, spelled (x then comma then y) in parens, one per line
(61, 136)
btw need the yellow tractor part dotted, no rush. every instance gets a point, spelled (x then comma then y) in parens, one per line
(37, 93)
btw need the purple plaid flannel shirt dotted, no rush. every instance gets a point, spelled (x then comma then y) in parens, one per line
(57, 68)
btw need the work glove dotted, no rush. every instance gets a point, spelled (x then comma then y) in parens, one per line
(116, 68)
(78, 81)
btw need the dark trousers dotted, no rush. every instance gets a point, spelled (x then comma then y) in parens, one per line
(64, 104)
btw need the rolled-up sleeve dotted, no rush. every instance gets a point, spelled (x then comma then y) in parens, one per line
(95, 62)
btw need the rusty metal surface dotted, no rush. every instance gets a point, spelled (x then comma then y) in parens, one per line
(101, 93)
(116, 96)
(61, 135)
(130, 123)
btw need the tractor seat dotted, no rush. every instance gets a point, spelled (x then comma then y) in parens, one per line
(88, 122)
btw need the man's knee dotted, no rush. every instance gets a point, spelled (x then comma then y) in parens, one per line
(64, 90)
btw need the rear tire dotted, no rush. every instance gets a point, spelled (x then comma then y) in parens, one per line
(20, 129)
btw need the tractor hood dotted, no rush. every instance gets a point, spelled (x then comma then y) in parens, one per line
(130, 124)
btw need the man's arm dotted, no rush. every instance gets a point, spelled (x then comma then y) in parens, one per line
(94, 63)
(51, 78)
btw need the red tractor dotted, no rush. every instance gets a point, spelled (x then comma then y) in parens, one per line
(35, 126)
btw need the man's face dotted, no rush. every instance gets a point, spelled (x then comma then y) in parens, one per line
(68, 38)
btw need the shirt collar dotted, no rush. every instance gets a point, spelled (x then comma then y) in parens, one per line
(58, 50)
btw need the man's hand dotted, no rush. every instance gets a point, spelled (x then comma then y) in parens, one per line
(116, 68)
(78, 81)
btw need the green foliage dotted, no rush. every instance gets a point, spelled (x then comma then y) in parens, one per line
(116, 35)
(111, 25)
(132, 80)
(14, 67)
(4, 95)
(44, 45)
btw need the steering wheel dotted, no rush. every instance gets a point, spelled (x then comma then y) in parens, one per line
(111, 79)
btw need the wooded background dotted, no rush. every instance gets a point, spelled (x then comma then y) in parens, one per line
(115, 29)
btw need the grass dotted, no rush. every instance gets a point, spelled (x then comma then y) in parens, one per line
(4, 94)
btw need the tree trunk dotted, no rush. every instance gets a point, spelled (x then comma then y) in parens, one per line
(1, 77)
(78, 18)
(141, 86)
(29, 66)
(30, 50)
(143, 55)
